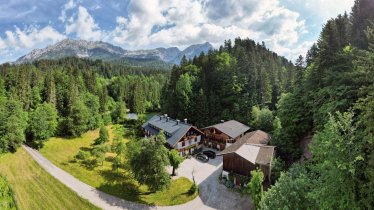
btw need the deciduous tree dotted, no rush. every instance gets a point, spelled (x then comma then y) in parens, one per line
(147, 159)
(255, 188)
(175, 160)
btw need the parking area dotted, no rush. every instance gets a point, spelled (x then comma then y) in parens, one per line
(212, 193)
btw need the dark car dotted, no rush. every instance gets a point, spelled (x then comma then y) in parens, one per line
(210, 154)
(202, 157)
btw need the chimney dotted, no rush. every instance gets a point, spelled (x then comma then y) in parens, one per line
(160, 117)
(185, 120)
(167, 119)
(178, 122)
(222, 121)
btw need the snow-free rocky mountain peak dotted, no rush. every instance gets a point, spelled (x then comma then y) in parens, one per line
(106, 51)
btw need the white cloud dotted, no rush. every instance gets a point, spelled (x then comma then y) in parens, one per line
(2, 44)
(25, 13)
(180, 23)
(292, 52)
(84, 26)
(68, 6)
(20, 42)
(183, 22)
(121, 20)
(11, 39)
(32, 37)
(329, 8)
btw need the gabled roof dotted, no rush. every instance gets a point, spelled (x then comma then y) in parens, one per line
(253, 148)
(265, 155)
(249, 152)
(176, 130)
(256, 153)
(232, 128)
(254, 137)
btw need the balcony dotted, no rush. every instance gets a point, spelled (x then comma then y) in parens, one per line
(187, 142)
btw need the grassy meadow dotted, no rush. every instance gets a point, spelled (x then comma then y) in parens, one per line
(61, 152)
(34, 188)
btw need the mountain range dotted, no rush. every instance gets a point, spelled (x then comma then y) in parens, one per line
(106, 51)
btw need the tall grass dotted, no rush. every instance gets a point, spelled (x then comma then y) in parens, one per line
(7, 200)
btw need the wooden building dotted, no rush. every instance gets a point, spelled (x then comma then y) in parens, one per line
(248, 153)
(179, 135)
(224, 134)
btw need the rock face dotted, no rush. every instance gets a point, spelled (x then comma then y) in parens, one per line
(106, 51)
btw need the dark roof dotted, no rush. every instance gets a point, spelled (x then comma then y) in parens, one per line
(175, 130)
(253, 148)
(254, 137)
(232, 128)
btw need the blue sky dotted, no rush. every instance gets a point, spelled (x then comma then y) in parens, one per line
(287, 27)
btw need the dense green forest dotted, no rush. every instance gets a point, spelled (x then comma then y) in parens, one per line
(334, 101)
(70, 96)
(327, 95)
(226, 83)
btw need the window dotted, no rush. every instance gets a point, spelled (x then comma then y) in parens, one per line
(183, 143)
(195, 139)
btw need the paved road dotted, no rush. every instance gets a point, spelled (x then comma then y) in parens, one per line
(212, 194)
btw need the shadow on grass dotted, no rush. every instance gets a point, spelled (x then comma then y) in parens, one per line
(67, 137)
(86, 149)
(109, 158)
(123, 186)
(129, 199)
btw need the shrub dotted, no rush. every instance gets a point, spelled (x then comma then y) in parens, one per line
(82, 155)
(193, 189)
(7, 201)
(255, 187)
(104, 136)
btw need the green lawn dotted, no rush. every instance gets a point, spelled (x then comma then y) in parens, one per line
(150, 114)
(61, 152)
(34, 188)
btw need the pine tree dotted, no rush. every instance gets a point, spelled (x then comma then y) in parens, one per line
(43, 122)
(77, 119)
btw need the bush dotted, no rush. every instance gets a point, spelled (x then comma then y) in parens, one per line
(193, 189)
(90, 163)
(255, 187)
(196, 151)
(104, 136)
(277, 166)
(7, 201)
(82, 155)
(229, 184)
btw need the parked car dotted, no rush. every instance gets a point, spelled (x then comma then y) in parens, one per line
(202, 157)
(210, 154)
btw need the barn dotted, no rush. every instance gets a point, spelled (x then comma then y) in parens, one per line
(248, 153)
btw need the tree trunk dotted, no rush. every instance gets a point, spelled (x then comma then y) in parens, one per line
(173, 173)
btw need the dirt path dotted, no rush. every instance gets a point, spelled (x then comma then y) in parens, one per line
(212, 194)
(98, 198)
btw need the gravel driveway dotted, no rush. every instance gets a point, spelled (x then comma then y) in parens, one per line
(212, 194)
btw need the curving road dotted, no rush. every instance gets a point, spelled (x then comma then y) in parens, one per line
(212, 194)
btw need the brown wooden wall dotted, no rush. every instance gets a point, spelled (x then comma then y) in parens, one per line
(234, 163)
